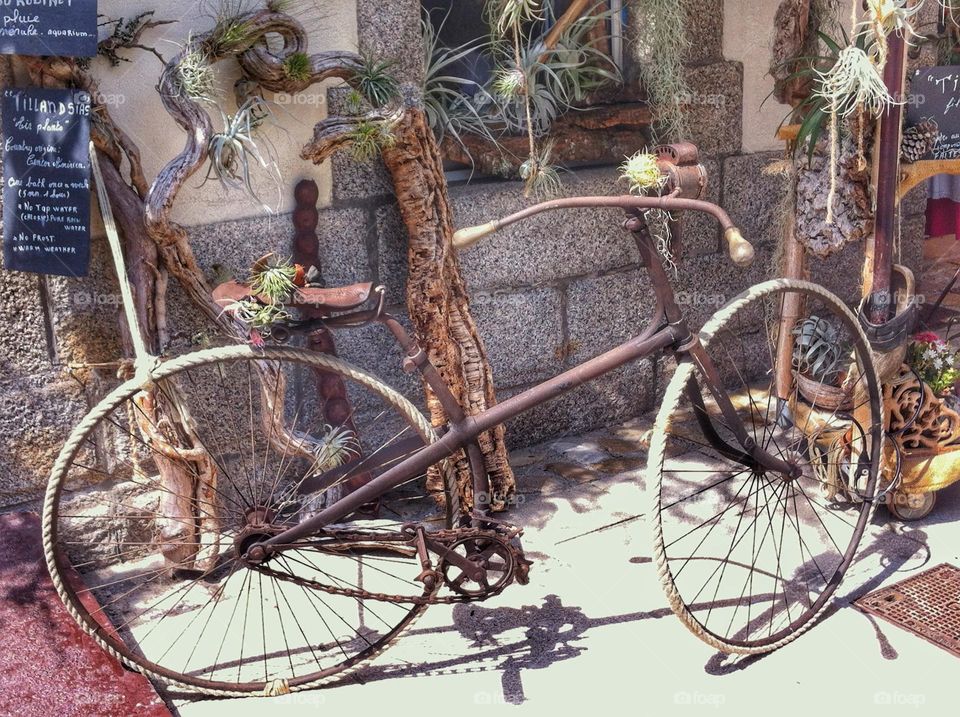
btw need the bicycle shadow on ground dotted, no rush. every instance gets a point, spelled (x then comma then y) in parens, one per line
(887, 549)
(551, 632)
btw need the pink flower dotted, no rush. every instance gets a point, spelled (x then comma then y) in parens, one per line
(927, 337)
(256, 339)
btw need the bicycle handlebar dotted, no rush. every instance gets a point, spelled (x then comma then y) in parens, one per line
(741, 251)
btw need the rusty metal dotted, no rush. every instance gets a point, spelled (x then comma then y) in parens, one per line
(441, 542)
(493, 557)
(686, 178)
(671, 333)
(888, 175)
(928, 605)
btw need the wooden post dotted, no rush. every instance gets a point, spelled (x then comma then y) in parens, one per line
(888, 177)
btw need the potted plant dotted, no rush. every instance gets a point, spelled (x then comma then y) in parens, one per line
(936, 363)
(820, 358)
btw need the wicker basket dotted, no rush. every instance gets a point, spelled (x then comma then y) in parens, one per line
(829, 398)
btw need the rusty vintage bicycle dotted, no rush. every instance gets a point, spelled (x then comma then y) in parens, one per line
(274, 579)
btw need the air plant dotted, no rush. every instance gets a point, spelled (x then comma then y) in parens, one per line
(661, 48)
(540, 84)
(454, 105)
(642, 173)
(854, 82)
(375, 81)
(338, 446)
(274, 279)
(354, 101)
(297, 67)
(368, 139)
(819, 351)
(541, 178)
(510, 83)
(258, 317)
(234, 149)
(232, 31)
(195, 77)
(510, 14)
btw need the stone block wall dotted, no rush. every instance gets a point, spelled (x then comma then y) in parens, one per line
(546, 294)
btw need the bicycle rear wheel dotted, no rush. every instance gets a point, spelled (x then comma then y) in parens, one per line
(155, 570)
(749, 558)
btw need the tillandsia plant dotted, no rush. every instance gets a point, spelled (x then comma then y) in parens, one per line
(275, 279)
(258, 317)
(661, 46)
(542, 179)
(537, 76)
(853, 83)
(369, 138)
(195, 77)
(642, 173)
(375, 80)
(937, 364)
(234, 149)
(297, 66)
(453, 105)
(819, 351)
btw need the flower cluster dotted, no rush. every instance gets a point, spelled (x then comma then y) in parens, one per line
(935, 361)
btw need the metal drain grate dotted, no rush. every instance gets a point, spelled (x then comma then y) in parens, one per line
(927, 605)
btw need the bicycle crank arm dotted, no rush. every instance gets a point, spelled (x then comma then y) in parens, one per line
(421, 540)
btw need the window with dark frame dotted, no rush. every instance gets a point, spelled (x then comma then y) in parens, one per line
(610, 123)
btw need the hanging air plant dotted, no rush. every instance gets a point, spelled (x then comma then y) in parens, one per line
(661, 46)
(510, 83)
(852, 83)
(541, 179)
(510, 14)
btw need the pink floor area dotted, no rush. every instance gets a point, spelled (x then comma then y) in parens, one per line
(48, 666)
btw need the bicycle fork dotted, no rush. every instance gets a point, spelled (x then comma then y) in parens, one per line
(687, 347)
(753, 455)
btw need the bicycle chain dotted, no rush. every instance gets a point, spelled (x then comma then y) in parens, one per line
(440, 536)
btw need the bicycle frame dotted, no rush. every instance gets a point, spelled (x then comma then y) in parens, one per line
(667, 330)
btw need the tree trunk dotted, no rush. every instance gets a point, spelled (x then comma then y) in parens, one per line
(437, 298)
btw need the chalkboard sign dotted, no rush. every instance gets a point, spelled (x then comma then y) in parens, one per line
(46, 181)
(66, 28)
(935, 95)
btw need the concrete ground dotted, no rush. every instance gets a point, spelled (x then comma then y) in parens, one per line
(593, 630)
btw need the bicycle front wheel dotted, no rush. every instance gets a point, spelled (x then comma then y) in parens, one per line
(749, 558)
(157, 494)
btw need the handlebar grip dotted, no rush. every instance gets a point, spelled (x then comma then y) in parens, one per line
(741, 251)
(471, 235)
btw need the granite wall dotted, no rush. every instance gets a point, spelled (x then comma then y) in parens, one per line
(546, 294)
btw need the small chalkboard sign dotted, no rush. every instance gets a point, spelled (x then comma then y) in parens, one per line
(66, 28)
(46, 181)
(935, 95)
